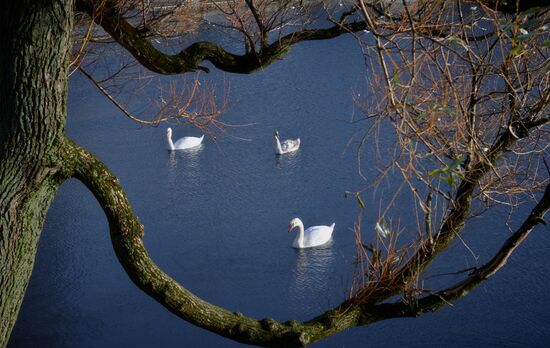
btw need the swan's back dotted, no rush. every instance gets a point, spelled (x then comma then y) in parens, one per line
(187, 142)
(315, 236)
(290, 145)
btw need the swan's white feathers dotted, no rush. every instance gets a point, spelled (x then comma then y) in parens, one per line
(187, 142)
(311, 237)
(286, 146)
(290, 145)
(183, 143)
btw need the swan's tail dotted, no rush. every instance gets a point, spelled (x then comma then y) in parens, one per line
(332, 226)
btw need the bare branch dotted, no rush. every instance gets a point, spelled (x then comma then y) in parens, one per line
(175, 106)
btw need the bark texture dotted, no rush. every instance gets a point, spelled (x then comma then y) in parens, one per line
(33, 90)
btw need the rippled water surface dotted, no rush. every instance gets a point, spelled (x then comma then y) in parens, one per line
(216, 220)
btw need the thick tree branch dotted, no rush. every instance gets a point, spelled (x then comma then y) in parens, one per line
(126, 232)
(190, 58)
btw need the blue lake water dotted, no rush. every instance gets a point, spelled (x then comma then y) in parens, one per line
(216, 220)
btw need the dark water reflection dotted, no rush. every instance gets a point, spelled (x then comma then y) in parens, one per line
(216, 219)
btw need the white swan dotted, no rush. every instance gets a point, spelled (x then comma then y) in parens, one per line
(289, 145)
(312, 237)
(183, 143)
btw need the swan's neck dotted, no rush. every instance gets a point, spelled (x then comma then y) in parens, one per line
(300, 237)
(278, 145)
(170, 143)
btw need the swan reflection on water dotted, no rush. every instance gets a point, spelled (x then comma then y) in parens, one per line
(289, 160)
(311, 275)
(185, 164)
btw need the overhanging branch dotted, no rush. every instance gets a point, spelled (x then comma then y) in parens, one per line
(190, 58)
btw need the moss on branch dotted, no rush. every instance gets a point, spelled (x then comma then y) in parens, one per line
(126, 235)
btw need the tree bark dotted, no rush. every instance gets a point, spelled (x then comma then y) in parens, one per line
(33, 89)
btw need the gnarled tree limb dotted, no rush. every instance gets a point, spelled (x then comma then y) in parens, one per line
(189, 59)
(126, 233)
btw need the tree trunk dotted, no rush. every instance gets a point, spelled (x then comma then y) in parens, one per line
(33, 90)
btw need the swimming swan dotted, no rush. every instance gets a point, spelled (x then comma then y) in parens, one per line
(312, 237)
(289, 145)
(183, 143)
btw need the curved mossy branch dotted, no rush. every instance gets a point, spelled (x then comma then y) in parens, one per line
(126, 235)
(190, 58)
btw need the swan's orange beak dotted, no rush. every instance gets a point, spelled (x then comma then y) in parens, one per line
(290, 228)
